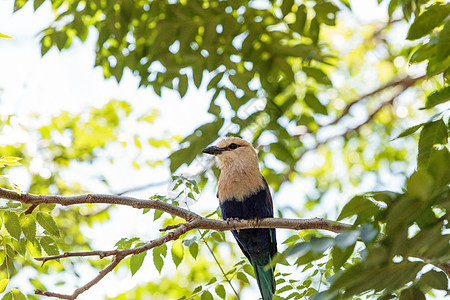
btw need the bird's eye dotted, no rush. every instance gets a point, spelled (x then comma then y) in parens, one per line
(232, 146)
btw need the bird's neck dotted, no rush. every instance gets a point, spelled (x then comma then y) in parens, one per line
(238, 181)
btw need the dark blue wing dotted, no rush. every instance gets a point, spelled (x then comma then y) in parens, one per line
(257, 205)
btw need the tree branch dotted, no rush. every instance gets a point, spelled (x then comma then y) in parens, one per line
(99, 199)
(218, 225)
(119, 256)
(142, 187)
(194, 221)
(404, 83)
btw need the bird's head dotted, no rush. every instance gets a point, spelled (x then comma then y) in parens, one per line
(234, 152)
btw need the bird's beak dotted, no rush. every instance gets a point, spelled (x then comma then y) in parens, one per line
(212, 150)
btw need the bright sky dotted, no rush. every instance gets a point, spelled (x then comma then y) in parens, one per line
(66, 81)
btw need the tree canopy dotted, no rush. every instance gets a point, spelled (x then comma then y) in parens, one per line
(351, 117)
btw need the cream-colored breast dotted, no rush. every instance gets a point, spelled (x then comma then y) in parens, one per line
(239, 183)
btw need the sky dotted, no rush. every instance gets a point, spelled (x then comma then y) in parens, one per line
(31, 84)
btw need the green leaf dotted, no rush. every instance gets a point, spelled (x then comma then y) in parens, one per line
(4, 36)
(295, 51)
(412, 293)
(18, 4)
(213, 83)
(2, 256)
(47, 222)
(290, 240)
(216, 236)
(206, 295)
(125, 243)
(436, 66)
(427, 21)
(12, 224)
(158, 254)
(420, 185)
(28, 225)
(440, 160)
(317, 74)
(37, 4)
(157, 215)
(190, 241)
(220, 291)
(182, 85)
(444, 42)
(437, 97)
(435, 280)
(199, 139)
(340, 256)
(313, 102)
(319, 245)
(300, 19)
(326, 13)
(177, 252)
(3, 284)
(49, 246)
(234, 101)
(409, 131)
(241, 80)
(424, 52)
(10, 251)
(361, 206)
(197, 289)
(432, 133)
(34, 248)
(249, 270)
(346, 239)
(393, 4)
(136, 262)
(197, 73)
(193, 249)
(286, 6)
(211, 281)
(368, 233)
(314, 30)
(299, 249)
(242, 277)
(20, 246)
(15, 294)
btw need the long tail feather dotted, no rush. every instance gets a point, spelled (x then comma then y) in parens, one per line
(265, 279)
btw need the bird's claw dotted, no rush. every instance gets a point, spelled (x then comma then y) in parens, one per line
(230, 220)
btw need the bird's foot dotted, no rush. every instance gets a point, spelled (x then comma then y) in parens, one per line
(231, 221)
(256, 221)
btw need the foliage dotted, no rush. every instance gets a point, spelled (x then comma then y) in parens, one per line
(4, 36)
(330, 115)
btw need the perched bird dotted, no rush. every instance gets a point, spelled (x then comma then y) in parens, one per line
(244, 194)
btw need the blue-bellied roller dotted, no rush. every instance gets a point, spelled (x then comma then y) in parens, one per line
(244, 194)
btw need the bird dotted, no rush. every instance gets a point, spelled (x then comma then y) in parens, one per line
(244, 194)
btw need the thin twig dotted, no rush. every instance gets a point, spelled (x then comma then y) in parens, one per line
(218, 225)
(142, 187)
(52, 294)
(119, 256)
(99, 277)
(405, 82)
(85, 287)
(170, 227)
(221, 269)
